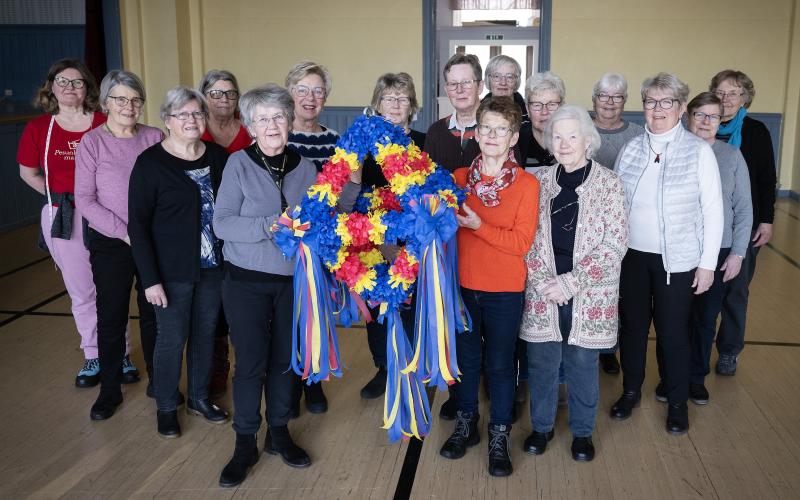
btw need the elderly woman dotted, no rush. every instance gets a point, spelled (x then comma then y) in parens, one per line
(310, 85)
(496, 229)
(572, 286)
(170, 209)
(221, 91)
(670, 176)
(395, 99)
(544, 93)
(503, 75)
(103, 165)
(609, 96)
(46, 158)
(259, 183)
(736, 91)
(705, 112)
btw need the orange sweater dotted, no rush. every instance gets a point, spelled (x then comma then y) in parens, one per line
(490, 259)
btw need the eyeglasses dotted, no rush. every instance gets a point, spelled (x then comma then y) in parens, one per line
(538, 106)
(613, 99)
(662, 103)
(122, 101)
(500, 131)
(391, 100)
(464, 84)
(184, 115)
(230, 95)
(700, 116)
(730, 95)
(63, 82)
(263, 121)
(499, 77)
(303, 91)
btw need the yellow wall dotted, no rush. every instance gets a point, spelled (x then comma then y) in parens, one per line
(168, 42)
(171, 41)
(691, 38)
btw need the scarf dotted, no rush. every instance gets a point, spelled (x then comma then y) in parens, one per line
(488, 191)
(733, 128)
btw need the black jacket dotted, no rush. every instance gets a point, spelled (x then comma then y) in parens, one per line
(164, 213)
(757, 151)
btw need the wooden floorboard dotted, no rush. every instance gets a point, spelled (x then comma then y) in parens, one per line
(744, 444)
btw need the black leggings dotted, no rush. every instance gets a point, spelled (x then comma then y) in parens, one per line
(645, 296)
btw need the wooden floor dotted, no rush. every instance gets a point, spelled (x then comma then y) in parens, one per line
(745, 444)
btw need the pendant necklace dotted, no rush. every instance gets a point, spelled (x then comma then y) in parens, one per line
(658, 155)
(569, 226)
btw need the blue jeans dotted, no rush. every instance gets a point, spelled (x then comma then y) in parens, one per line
(580, 371)
(191, 314)
(500, 314)
(705, 309)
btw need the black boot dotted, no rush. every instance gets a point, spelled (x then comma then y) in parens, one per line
(245, 455)
(208, 410)
(106, 404)
(624, 406)
(279, 442)
(677, 418)
(464, 435)
(536, 443)
(375, 387)
(499, 445)
(168, 425)
(316, 402)
(582, 449)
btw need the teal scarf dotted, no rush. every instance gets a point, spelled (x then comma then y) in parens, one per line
(733, 128)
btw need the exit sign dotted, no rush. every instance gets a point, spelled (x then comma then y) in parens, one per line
(494, 37)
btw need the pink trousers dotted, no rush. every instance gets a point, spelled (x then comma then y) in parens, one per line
(72, 259)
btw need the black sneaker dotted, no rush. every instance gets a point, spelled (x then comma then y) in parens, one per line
(375, 387)
(726, 365)
(89, 375)
(698, 394)
(130, 374)
(464, 435)
(499, 456)
(661, 392)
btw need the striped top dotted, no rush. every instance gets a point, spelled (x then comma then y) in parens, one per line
(316, 146)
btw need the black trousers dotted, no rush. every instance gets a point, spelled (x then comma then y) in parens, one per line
(730, 337)
(113, 271)
(377, 334)
(260, 318)
(645, 297)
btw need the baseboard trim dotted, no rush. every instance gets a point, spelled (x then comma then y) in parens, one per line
(788, 193)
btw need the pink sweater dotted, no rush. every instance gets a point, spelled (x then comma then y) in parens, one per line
(103, 165)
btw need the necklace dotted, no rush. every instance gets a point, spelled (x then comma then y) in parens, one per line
(658, 155)
(569, 226)
(108, 129)
(275, 173)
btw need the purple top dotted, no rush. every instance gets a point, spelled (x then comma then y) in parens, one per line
(103, 165)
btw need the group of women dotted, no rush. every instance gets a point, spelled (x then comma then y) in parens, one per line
(570, 222)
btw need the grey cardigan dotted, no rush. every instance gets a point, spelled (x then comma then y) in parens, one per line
(737, 206)
(248, 204)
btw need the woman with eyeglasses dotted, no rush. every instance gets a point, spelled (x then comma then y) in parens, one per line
(310, 85)
(572, 286)
(170, 210)
(609, 96)
(496, 228)
(259, 183)
(736, 91)
(544, 94)
(675, 221)
(221, 91)
(395, 99)
(705, 113)
(503, 74)
(103, 162)
(46, 158)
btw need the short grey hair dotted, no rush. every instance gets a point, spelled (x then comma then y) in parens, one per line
(543, 82)
(587, 128)
(668, 83)
(269, 95)
(305, 68)
(215, 75)
(399, 82)
(120, 77)
(611, 81)
(177, 97)
(499, 60)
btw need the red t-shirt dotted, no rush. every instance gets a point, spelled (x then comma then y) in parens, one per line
(61, 153)
(241, 141)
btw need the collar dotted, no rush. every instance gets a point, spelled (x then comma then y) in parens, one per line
(665, 137)
(454, 123)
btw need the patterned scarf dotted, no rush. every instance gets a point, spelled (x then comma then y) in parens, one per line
(488, 191)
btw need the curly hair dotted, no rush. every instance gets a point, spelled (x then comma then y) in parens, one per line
(46, 100)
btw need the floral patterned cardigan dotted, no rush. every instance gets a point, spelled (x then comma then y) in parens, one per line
(601, 240)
